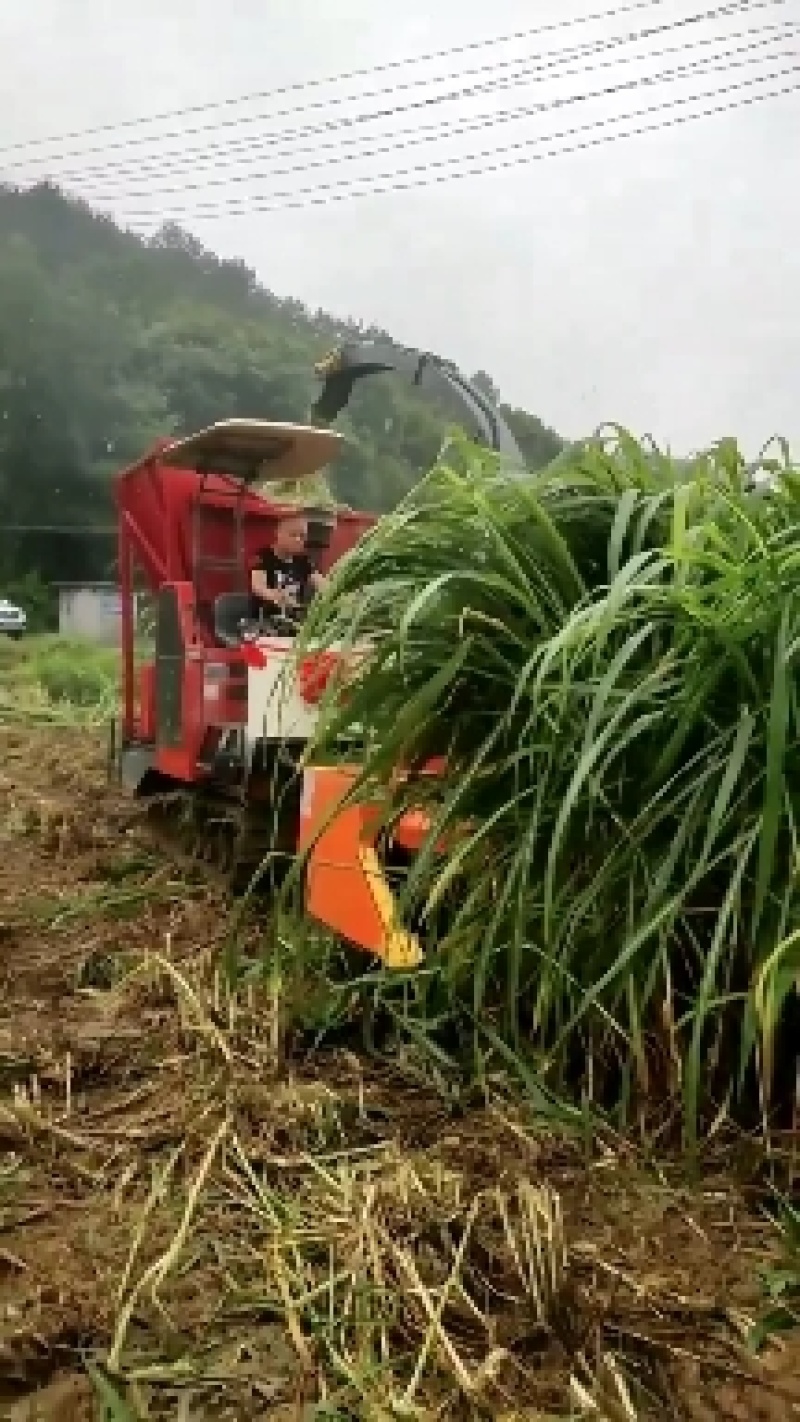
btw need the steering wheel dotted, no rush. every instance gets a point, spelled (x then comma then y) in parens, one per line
(283, 623)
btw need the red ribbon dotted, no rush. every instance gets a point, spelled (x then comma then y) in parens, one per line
(314, 673)
(253, 656)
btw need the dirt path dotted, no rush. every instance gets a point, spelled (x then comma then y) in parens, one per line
(81, 1074)
(141, 1104)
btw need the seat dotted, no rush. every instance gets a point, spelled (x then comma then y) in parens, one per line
(233, 615)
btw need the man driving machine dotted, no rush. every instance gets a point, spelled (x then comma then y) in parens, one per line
(284, 578)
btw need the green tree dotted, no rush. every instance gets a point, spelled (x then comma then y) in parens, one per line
(108, 341)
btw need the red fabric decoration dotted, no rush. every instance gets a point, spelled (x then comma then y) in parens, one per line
(314, 673)
(253, 656)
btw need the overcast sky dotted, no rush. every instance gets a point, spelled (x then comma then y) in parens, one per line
(655, 282)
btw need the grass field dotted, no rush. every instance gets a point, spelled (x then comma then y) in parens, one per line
(48, 676)
(202, 1215)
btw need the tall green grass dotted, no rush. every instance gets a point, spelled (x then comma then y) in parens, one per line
(50, 678)
(607, 656)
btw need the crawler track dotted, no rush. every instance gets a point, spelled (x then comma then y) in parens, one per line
(229, 841)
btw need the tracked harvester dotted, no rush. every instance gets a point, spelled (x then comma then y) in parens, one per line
(214, 729)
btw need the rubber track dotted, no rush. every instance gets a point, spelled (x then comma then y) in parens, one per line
(225, 839)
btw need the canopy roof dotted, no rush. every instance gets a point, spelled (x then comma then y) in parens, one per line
(250, 450)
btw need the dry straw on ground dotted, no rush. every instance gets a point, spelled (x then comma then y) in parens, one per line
(222, 1234)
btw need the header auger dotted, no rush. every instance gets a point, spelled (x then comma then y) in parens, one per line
(214, 728)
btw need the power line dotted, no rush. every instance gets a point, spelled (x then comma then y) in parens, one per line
(388, 66)
(723, 63)
(758, 39)
(546, 64)
(733, 7)
(322, 194)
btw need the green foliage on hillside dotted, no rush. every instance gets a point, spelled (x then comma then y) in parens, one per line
(107, 341)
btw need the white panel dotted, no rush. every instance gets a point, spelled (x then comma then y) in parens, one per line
(275, 709)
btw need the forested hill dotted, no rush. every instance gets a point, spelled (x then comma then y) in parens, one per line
(107, 341)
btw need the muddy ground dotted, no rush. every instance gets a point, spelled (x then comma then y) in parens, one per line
(178, 1198)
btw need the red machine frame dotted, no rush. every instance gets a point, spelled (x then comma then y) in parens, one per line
(193, 533)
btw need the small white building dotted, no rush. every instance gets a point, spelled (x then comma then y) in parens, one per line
(90, 610)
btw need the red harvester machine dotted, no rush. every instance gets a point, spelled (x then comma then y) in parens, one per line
(214, 728)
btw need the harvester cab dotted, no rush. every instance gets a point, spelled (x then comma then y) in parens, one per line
(216, 723)
(191, 526)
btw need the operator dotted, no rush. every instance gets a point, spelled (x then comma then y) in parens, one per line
(284, 578)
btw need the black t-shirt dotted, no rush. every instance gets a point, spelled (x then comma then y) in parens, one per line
(292, 573)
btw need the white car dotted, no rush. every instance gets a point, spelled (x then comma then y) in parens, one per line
(13, 621)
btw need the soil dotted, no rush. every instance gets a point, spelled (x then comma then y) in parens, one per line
(120, 1046)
